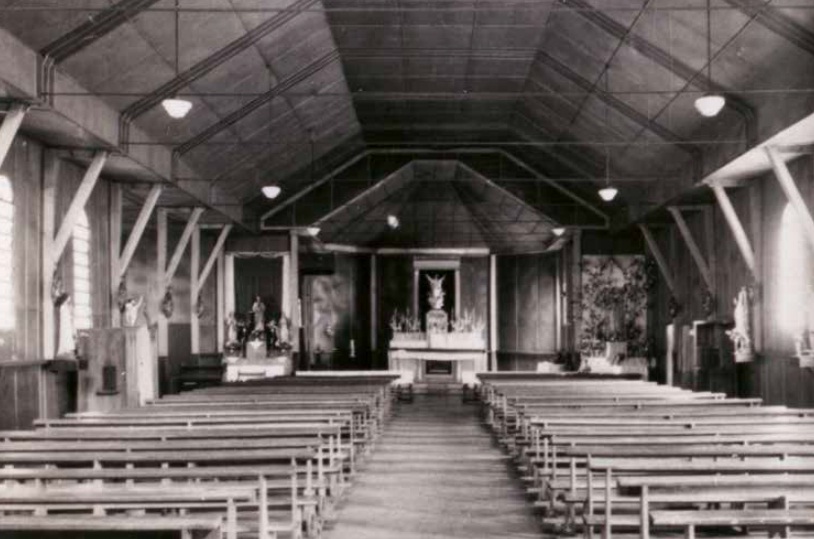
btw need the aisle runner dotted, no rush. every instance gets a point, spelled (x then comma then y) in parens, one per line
(435, 473)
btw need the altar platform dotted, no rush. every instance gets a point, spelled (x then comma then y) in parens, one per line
(412, 364)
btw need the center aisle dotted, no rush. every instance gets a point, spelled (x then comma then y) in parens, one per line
(436, 472)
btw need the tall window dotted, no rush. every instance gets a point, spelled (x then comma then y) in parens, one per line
(82, 309)
(794, 286)
(7, 307)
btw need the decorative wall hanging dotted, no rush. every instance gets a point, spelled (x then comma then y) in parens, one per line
(200, 306)
(708, 304)
(121, 294)
(614, 304)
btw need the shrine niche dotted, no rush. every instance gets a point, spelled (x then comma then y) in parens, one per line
(437, 341)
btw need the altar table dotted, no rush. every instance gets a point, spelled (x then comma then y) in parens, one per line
(411, 363)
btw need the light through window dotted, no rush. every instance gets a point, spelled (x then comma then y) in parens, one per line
(6, 253)
(794, 264)
(82, 309)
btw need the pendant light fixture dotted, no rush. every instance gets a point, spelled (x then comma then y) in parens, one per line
(558, 231)
(176, 107)
(608, 192)
(271, 191)
(711, 103)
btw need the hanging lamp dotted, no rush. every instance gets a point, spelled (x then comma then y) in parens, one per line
(176, 107)
(711, 103)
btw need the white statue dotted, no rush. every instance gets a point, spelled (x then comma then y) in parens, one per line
(436, 295)
(231, 329)
(66, 347)
(284, 335)
(437, 319)
(741, 334)
(132, 307)
(259, 310)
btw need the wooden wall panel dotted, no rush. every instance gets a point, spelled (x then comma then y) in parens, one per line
(775, 375)
(395, 286)
(475, 288)
(526, 306)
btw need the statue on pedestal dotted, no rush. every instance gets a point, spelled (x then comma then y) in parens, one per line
(259, 310)
(437, 318)
(741, 334)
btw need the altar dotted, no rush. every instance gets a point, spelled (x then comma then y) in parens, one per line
(412, 364)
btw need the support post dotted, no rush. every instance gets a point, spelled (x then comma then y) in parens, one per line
(49, 192)
(558, 304)
(229, 286)
(735, 226)
(661, 262)
(294, 294)
(194, 288)
(138, 230)
(493, 312)
(161, 283)
(192, 224)
(9, 128)
(695, 251)
(78, 204)
(576, 288)
(374, 300)
(213, 256)
(786, 181)
(220, 303)
(115, 228)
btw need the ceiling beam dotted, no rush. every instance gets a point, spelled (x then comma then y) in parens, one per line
(9, 128)
(692, 245)
(191, 226)
(782, 25)
(224, 123)
(207, 64)
(623, 108)
(661, 262)
(138, 230)
(668, 61)
(97, 26)
(77, 205)
(213, 257)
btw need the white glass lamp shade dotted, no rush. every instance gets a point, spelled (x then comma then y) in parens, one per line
(608, 193)
(313, 231)
(558, 231)
(710, 105)
(271, 191)
(392, 221)
(177, 108)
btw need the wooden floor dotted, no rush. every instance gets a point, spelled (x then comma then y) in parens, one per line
(436, 473)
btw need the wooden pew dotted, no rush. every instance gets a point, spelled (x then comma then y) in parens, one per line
(765, 518)
(186, 527)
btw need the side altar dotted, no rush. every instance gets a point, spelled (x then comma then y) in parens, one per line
(452, 351)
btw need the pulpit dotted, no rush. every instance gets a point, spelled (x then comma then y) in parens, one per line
(122, 369)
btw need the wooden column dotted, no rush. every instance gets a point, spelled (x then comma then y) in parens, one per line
(161, 283)
(8, 129)
(493, 343)
(374, 301)
(220, 320)
(576, 288)
(294, 288)
(115, 226)
(49, 191)
(229, 285)
(194, 270)
(558, 303)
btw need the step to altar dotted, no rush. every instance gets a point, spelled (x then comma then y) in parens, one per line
(438, 388)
